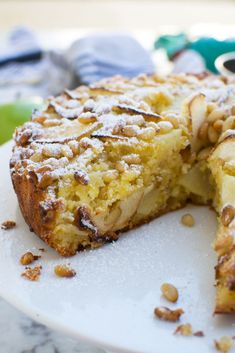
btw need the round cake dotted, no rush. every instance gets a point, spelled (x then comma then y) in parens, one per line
(103, 159)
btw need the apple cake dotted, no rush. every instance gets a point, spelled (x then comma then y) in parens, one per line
(103, 159)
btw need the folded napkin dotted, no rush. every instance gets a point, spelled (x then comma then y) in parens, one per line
(102, 55)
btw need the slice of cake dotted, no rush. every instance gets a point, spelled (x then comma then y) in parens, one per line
(106, 158)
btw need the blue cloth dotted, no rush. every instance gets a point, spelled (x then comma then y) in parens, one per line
(103, 55)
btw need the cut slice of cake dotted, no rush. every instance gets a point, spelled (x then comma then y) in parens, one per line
(222, 163)
(103, 159)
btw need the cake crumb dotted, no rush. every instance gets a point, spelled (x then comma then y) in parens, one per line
(184, 330)
(199, 334)
(8, 225)
(224, 344)
(64, 271)
(187, 220)
(32, 273)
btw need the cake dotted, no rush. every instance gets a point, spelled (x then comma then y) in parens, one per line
(103, 159)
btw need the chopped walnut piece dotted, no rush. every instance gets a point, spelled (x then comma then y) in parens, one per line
(224, 344)
(167, 314)
(184, 330)
(8, 225)
(32, 273)
(28, 258)
(169, 292)
(228, 214)
(187, 220)
(64, 271)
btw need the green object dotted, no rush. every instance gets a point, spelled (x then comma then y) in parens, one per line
(171, 43)
(211, 48)
(15, 114)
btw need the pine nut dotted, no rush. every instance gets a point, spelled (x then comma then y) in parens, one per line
(165, 126)
(215, 115)
(203, 131)
(218, 125)
(212, 134)
(169, 292)
(229, 123)
(228, 214)
(187, 220)
(167, 314)
(28, 258)
(64, 271)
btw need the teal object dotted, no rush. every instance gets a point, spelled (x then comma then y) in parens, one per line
(16, 113)
(211, 48)
(172, 43)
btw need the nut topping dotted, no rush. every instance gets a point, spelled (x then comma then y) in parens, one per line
(81, 177)
(227, 215)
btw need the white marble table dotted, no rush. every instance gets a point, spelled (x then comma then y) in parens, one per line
(20, 334)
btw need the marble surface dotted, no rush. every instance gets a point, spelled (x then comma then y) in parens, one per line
(20, 334)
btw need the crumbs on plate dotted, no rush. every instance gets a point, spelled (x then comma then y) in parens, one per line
(8, 225)
(224, 344)
(32, 273)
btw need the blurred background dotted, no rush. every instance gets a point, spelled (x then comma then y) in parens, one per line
(47, 46)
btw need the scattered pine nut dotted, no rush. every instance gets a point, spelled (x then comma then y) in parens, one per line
(187, 220)
(28, 258)
(8, 225)
(169, 292)
(64, 271)
(167, 314)
(228, 214)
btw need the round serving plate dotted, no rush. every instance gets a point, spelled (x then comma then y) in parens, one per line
(110, 302)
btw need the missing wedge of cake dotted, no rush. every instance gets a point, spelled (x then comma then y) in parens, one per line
(103, 159)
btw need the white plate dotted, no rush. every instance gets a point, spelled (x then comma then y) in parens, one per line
(111, 301)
